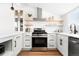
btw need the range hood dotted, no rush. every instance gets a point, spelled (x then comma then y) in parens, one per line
(39, 15)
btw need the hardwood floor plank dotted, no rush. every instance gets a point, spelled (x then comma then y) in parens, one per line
(38, 53)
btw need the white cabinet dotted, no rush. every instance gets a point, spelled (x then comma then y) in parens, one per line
(59, 43)
(27, 44)
(62, 44)
(65, 45)
(51, 40)
(7, 42)
(17, 44)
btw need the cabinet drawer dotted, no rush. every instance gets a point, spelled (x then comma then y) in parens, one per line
(52, 46)
(25, 46)
(27, 40)
(27, 37)
(51, 35)
(51, 42)
(51, 39)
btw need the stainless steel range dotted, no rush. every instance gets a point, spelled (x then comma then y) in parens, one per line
(39, 38)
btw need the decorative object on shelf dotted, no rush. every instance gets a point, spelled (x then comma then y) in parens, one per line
(16, 13)
(12, 8)
(21, 24)
(16, 19)
(21, 13)
(27, 30)
(29, 15)
(19, 20)
(49, 19)
(16, 28)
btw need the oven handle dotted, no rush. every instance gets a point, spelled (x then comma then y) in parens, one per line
(75, 42)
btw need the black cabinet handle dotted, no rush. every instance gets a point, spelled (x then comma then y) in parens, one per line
(17, 36)
(15, 43)
(60, 41)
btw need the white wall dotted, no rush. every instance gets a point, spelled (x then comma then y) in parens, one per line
(6, 20)
(45, 14)
(28, 9)
(71, 18)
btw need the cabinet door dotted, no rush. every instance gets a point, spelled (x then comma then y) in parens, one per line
(62, 44)
(17, 44)
(65, 45)
(59, 43)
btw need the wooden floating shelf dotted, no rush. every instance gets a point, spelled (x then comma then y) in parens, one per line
(28, 25)
(29, 20)
(54, 25)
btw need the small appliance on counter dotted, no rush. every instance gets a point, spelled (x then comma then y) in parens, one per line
(2, 49)
(27, 30)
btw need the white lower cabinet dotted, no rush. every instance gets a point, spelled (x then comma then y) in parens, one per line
(7, 42)
(17, 44)
(51, 40)
(62, 44)
(65, 45)
(59, 43)
(27, 44)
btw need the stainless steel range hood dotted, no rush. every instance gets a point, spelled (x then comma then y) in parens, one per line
(39, 15)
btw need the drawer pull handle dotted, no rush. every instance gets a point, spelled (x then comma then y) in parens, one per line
(17, 36)
(15, 43)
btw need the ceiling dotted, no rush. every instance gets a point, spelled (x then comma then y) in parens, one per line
(55, 8)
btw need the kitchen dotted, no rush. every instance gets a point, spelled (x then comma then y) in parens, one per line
(39, 29)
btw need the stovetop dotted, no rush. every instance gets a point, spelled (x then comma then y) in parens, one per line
(39, 32)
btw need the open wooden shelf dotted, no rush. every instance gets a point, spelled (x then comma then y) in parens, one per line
(29, 20)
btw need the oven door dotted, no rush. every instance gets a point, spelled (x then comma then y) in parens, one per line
(39, 41)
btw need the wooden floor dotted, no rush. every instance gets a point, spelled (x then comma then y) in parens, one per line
(35, 53)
